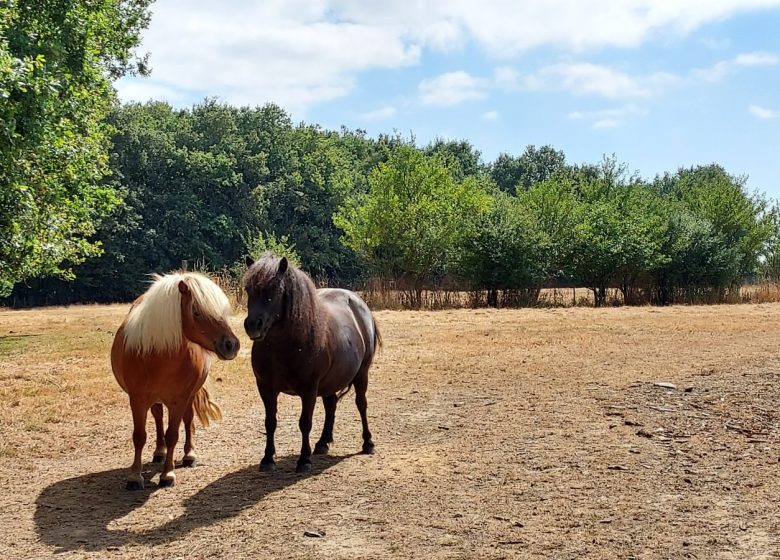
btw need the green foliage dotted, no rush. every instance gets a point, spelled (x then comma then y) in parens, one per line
(413, 218)
(281, 246)
(56, 62)
(533, 166)
(214, 183)
(506, 251)
(459, 155)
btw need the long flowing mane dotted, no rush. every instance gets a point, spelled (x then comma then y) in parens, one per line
(302, 316)
(154, 323)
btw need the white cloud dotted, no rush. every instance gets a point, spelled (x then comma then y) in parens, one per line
(302, 52)
(508, 28)
(490, 116)
(723, 68)
(379, 114)
(758, 58)
(763, 113)
(606, 123)
(602, 81)
(452, 88)
(608, 118)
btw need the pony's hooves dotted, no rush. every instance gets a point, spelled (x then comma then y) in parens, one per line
(158, 459)
(368, 449)
(303, 468)
(135, 485)
(321, 448)
(167, 482)
(189, 461)
(267, 467)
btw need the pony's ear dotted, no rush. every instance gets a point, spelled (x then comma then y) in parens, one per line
(282, 266)
(183, 287)
(249, 261)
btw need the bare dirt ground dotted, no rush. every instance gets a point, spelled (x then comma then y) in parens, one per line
(500, 434)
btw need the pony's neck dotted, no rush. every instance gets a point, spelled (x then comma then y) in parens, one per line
(304, 323)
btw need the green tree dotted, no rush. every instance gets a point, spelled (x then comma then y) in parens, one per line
(57, 60)
(411, 222)
(506, 253)
(535, 165)
(462, 158)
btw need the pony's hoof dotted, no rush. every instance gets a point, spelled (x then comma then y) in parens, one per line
(158, 458)
(167, 482)
(368, 449)
(135, 485)
(321, 448)
(189, 461)
(303, 468)
(268, 467)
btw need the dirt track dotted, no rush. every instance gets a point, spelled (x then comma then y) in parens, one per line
(500, 434)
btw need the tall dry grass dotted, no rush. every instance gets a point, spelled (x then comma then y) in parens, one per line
(394, 295)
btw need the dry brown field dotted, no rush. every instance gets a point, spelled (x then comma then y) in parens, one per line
(537, 433)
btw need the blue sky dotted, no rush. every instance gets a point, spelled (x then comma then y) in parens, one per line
(660, 83)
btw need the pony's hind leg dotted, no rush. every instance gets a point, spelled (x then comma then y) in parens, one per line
(135, 481)
(190, 458)
(168, 477)
(326, 438)
(159, 451)
(361, 387)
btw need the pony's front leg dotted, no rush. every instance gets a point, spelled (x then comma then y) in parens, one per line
(159, 451)
(269, 398)
(308, 400)
(175, 413)
(189, 458)
(135, 481)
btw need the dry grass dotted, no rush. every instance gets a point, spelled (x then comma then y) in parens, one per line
(534, 433)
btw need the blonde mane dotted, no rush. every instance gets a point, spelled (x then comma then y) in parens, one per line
(154, 324)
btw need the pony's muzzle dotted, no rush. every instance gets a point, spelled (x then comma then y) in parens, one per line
(255, 328)
(228, 347)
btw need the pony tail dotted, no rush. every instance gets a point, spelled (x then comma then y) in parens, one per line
(377, 337)
(206, 409)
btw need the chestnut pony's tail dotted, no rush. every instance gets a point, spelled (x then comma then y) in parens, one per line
(205, 409)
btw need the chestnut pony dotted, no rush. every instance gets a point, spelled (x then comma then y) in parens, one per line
(310, 343)
(161, 355)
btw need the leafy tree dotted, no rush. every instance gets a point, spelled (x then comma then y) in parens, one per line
(534, 165)
(412, 220)
(57, 60)
(463, 159)
(554, 208)
(506, 252)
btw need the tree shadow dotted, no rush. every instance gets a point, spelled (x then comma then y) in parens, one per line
(74, 514)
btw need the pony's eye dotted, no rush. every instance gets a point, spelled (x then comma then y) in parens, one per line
(196, 313)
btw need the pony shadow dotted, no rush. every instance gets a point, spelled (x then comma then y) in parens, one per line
(75, 514)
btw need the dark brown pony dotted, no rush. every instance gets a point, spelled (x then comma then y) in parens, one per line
(161, 355)
(310, 343)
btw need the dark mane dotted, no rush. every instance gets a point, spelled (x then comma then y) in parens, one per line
(301, 314)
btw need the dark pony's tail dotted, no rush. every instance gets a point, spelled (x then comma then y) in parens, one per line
(377, 338)
(377, 346)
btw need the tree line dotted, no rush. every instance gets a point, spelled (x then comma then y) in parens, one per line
(95, 195)
(215, 183)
